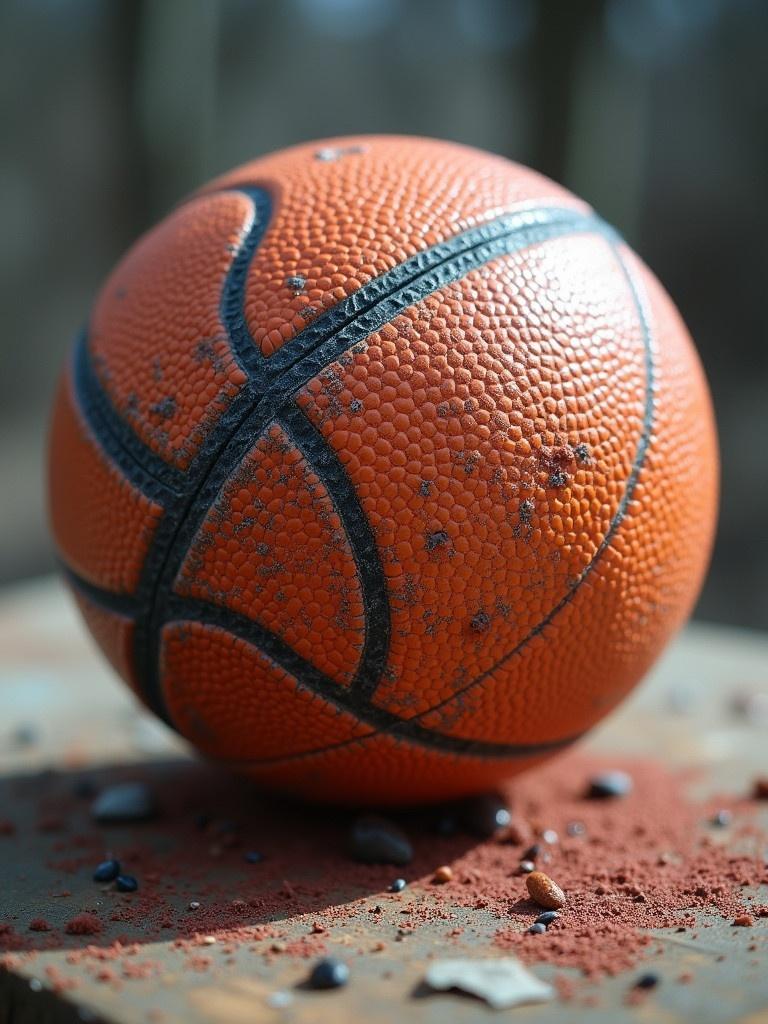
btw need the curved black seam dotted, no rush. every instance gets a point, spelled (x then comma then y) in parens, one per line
(640, 453)
(342, 698)
(141, 466)
(410, 729)
(166, 556)
(324, 460)
(121, 604)
(232, 305)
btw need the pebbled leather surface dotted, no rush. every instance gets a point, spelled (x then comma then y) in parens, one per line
(418, 538)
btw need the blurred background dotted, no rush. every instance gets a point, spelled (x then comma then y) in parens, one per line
(653, 110)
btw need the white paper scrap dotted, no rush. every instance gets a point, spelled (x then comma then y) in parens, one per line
(501, 983)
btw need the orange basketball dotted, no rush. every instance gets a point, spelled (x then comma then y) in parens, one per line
(382, 469)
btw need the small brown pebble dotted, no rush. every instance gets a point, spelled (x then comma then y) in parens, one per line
(544, 891)
(442, 875)
(685, 978)
(743, 921)
(760, 788)
(39, 924)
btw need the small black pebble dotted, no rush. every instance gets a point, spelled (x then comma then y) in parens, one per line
(722, 819)
(253, 857)
(107, 871)
(647, 981)
(610, 784)
(527, 866)
(126, 883)
(329, 973)
(537, 929)
(374, 840)
(532, 852)
(547, 918)
(484, 815)
(575, 828)
(128, 801)
(398, 885)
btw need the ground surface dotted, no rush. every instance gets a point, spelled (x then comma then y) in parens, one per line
(67, 728)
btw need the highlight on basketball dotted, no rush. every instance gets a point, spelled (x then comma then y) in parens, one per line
(383, 618)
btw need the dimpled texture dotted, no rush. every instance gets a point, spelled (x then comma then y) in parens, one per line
(349, 211)
(274, 542)
(158, 343)
(228, 698)
(101, 523)
(386, 552)
(114, 634)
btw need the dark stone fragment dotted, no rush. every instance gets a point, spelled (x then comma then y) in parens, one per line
(532, 852)
(537, 929)
(647, 981)
(129, 801)
(253, 857)
(547, 918)
(484, 815)
(126, 883)
(609, 784)
(398, 885)
(107, 871)
(374, 840)
(329, 973)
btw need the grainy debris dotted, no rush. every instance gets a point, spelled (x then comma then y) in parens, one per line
(501, 983)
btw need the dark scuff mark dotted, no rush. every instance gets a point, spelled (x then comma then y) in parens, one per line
(437, 539)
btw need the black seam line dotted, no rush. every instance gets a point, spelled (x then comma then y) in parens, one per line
(325, 461)
(232, 305)
(640, 453)
(121, 604)
(309, 677)
(166, 555)
(150, 474)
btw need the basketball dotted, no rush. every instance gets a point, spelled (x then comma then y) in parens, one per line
(382, 470)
